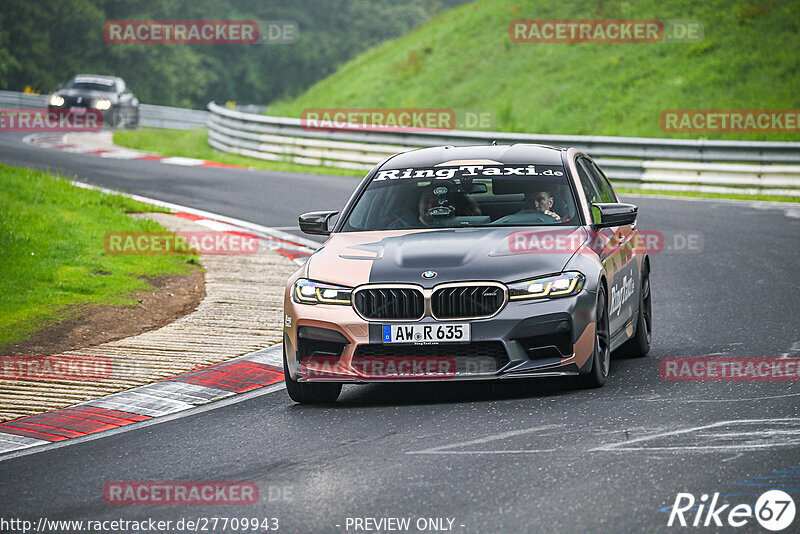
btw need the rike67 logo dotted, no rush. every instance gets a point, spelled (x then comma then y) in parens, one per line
(774, 510)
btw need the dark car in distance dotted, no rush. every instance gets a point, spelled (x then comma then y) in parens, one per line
(107, 95)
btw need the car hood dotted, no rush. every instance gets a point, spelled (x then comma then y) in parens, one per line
(502, 254)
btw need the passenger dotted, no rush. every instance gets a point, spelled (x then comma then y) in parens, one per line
(538, 209)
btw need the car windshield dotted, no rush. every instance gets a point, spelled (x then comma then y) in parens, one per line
(465, 196)
(91, 86)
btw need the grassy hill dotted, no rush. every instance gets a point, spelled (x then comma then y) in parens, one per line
(463, 58)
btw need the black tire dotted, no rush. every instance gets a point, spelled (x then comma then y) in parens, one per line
(601, 357)
(113, 119)
(639, 344)
(309, 393)
(134, 122)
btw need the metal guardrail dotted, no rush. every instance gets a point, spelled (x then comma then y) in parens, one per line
(741, 166)
(11, 99)
(149, 115)
(727, 166)
(168, 117)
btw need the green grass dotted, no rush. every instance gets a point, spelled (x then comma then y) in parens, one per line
(52, 260)
(194, 144)
(464, 59)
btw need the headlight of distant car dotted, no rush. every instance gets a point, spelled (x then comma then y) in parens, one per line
(102, 104)
(560, 285)
(309, 292)
(56, 100)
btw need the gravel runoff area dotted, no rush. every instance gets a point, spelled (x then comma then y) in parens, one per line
(241, 313)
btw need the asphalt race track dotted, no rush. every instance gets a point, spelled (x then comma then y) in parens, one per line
(521, 456)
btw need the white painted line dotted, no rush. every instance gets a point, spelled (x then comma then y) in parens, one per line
(184, 392)
(217, 225)
(195, 410)
(185, 162)
(271, 242)
(270, 356)
(75, 149)
(123, 154)
(759, 399)
(160, 400)
(626, 445)
(139, 402)
(708, 448)
(484, 440)
(278, 233)
(267, 230)
(12, 442)
(521, 451)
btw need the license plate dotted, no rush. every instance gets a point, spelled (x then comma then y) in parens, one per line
(77, 110)
(426, 333)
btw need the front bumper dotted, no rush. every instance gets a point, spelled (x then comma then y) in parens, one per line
(103, 118)
(331, 343)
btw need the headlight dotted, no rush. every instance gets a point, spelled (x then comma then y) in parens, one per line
(56, 100)
(560, 285)
(309, 292)
(102, 104)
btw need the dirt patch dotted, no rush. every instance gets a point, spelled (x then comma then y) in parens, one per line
(172, 297)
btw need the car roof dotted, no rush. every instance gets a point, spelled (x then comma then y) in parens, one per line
(519, 153)
(95, 78)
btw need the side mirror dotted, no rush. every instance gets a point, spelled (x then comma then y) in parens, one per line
(605, 214)
(316, 222)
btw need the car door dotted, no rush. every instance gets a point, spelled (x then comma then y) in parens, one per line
(616, 254)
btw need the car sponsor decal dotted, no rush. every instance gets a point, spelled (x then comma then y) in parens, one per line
(469, 171)
(620, 294)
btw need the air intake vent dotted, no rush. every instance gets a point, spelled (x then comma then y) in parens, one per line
(467, 301)
(390, 303)
(470, 358)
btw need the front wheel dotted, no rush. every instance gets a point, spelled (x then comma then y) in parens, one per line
(133, 123)
(601, 357)
(113, 119)
(309, 393)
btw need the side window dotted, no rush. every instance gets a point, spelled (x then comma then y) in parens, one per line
(606, 192)
(589, 187)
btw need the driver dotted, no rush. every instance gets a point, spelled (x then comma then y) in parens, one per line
(440, 201)
(538, 209)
